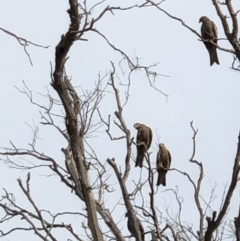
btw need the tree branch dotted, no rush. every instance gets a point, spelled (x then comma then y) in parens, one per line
(215, 221)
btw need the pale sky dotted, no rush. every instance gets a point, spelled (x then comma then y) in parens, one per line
(208, 96)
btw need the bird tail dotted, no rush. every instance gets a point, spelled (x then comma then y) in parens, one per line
(161, 179)
(213, 56)
(143, 237)
(139, 161)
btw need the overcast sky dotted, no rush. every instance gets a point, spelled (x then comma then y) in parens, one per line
(208, 96)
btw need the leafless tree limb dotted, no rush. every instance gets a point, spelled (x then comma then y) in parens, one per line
(237, 226)
(131, 213)
(24, 42)
(215, 221)
(152, 200)
(38, 223)
(231, 36)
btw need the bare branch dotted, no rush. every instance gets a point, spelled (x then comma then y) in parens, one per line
(231, 36)
(237, 226)
(215, 221)
(131, 214)
(24, 42)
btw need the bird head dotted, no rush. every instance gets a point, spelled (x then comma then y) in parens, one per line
(203, 19)
(161, 146)
(126, 214)
(137, 125)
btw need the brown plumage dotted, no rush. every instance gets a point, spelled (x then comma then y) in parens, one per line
(131, 228)
(163, 161)
(209, 32)
(144, 140)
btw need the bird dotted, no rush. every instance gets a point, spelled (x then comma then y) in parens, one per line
(163, 162)
(130, 226)
(209, 32)
(144, 140)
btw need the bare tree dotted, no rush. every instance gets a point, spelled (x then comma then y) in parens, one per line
(86, 174)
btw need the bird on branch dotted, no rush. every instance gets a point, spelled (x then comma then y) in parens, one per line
(163, 163)
(144, 140)
(209, 32)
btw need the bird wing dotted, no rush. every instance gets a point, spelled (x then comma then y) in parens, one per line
(207, 30)
(203, 29)
(149, 138)
(158, 159)
(139, 135)
(143, 135)
(215, 30)
(170, 159)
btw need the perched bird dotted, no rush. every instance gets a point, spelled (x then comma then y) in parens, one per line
(163, 161)
(209, 32)
(144, 140)
(130, 226)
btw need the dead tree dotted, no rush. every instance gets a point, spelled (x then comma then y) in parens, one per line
(86, 174)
